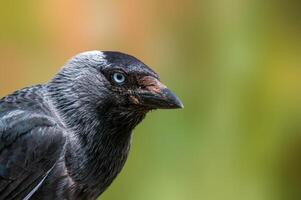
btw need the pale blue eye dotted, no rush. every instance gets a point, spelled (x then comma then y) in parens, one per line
(118, 77)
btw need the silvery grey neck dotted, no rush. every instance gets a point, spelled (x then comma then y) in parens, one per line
(100, 137)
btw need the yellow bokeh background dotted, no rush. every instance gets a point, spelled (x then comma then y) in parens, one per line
(236, 65)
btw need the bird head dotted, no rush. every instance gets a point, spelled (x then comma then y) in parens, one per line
(135, 84)
(110, 81)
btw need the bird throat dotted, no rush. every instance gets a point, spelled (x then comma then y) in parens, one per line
(103, 150)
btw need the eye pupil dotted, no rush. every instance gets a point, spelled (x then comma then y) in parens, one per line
(118, 77)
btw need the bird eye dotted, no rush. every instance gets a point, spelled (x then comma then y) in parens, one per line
(118, 77)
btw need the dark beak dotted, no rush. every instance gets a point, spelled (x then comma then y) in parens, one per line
(156, 95)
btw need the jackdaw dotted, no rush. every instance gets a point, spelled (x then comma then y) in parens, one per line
(69, 138)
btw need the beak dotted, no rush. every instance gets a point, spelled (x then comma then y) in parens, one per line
(156, 95)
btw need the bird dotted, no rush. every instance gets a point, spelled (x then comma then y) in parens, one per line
(70, 137)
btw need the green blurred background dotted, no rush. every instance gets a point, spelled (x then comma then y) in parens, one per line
(234, 63)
